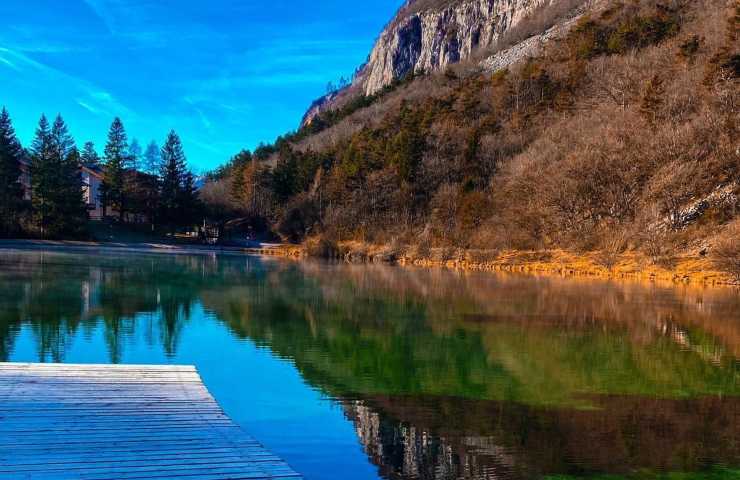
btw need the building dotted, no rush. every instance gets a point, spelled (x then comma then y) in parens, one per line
(92, 179)
(26, 178)
(142, 198)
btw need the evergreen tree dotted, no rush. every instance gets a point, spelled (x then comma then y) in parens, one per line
(134, 155)
(285, 174)
(56, 181)
(178, 195)
(238, 165)
(152, 159)
(89, 156)
(171, 174)
(188, 203)
(42, 175)
(62, 142)
(11, 190)
(72, 203)
(113, 190)
(406, 148)
(653, 100)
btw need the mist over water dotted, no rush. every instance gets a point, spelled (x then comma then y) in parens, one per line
(373, 372)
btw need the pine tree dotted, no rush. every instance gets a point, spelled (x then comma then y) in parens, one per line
(171, 173)
(89, 157)
(134, 155)
(11, 190)
(72, 203)
(407, 146)
(188, 202)
(178, 194)
(152, 158)
(652, 100)
(56, 181)
(70, 213)
(42, 175)
(62, 142)
(238, 166)
(113, 189)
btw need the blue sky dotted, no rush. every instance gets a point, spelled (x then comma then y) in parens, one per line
(226, 74)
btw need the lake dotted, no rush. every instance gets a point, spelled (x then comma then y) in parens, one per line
(370, 372)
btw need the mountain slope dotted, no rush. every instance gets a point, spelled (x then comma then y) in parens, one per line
(618, 134)
(427, 36)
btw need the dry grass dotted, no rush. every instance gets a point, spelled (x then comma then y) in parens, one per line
(613, 131)
(726, 252)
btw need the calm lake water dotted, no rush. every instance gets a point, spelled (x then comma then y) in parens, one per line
(369, 372)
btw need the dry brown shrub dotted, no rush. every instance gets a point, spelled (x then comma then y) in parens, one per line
(726, 252)
(323, 246)
(481, 256)
(612, 247)
(448, 253)
(659, 249)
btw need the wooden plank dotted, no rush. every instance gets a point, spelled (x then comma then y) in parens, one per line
(121, 422)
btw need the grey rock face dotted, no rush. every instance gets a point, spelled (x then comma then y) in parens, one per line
(527, 48)
(428, 40)
(431, 40)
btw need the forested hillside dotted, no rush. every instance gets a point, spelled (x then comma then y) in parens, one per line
(620, 134)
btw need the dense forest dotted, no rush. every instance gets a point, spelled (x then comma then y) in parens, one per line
(621, 135)
(152, 187)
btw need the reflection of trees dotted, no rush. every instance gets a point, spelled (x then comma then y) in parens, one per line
(452, 383)
(57, 294)
(455, 376)
(369, 341)
(10, 316)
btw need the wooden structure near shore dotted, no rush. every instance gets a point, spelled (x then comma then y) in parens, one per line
(121, 422)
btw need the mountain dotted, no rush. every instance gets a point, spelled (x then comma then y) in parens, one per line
(591, 128)
(427, 36)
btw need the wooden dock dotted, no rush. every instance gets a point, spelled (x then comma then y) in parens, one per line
(121, 422)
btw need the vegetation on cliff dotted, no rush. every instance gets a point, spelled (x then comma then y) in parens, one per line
(620, 136)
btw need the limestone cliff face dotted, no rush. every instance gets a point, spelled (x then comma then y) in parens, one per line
(431, 39)
(429, 35)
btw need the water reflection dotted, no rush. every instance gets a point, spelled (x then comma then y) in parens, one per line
(444, 375)
(412, 437)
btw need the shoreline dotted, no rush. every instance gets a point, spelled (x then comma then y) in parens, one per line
(123, 247)
(686, 269)
(683, 269)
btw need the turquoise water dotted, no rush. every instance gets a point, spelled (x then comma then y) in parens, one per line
(369, 372)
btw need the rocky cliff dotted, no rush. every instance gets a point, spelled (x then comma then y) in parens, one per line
(437, 36)
(429, 35)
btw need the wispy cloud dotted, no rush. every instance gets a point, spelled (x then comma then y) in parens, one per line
(88, 107)
(208, 147)
(102, 9)
(132, 20)
(87, 95)
(20, 61)
(9, 64)
(204, 120)
(225, 74)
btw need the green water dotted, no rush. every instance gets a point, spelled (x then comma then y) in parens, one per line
(368, 372)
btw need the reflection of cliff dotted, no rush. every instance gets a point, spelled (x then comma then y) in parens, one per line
(440, 438)
(450, 376)
(402, 450)
(379, 330)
